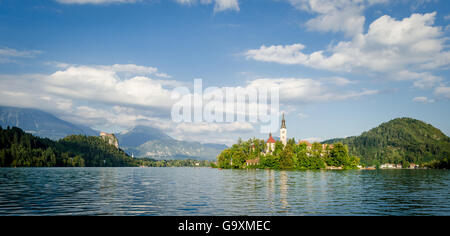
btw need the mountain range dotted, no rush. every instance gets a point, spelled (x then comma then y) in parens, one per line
(140, 141)
(399, 140)
(40, 123)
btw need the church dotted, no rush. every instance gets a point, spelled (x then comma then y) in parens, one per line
(270, 144)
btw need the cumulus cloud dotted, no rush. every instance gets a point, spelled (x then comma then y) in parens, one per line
(99, 85)
(104, 98)
(97, 96)
(390, 47)
(305, 90)
(336, 16)
(422, 80)
(103, 84)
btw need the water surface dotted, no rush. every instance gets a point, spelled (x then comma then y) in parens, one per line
(206, 191)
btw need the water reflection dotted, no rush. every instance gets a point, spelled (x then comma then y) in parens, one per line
(284, 189)
(205, 191)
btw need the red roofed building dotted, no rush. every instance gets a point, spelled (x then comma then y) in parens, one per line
(270, 144)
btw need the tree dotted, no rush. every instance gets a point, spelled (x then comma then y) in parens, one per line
(338, 155)
(224, 159)
(286, 158)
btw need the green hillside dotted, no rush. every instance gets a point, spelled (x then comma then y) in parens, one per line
(20, 149)
(400, 140)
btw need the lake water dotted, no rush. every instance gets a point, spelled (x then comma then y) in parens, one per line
(206, 191)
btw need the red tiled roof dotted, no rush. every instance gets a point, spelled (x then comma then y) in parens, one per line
(271, 140)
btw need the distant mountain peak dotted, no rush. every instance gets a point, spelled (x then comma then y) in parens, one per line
(139, 135)
(40, 123)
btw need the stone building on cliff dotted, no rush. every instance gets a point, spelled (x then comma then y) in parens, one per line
(110, 138)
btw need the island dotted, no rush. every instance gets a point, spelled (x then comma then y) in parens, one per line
(401, 143)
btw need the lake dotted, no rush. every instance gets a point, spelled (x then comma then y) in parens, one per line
(207, 191)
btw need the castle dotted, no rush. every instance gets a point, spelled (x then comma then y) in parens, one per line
(110, 138)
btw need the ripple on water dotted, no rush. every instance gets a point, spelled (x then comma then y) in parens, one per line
(205, 191)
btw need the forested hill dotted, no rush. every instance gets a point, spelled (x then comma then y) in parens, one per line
(20, 149)
(398, 141)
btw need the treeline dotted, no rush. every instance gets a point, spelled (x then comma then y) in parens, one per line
(293, 156)
(438, 164)
(400, 141)
(148, 162)
(20, 149)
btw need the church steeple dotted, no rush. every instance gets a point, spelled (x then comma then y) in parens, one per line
(283, 132)
(283, 123)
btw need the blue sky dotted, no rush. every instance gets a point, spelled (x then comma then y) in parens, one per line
(349, 65)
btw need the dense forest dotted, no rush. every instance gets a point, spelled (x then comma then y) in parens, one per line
(293, 156)
(401, 141)
(20, 149)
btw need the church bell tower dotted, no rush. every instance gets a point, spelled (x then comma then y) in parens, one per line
(283, 132)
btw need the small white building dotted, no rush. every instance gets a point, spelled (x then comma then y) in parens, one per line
(390, 166)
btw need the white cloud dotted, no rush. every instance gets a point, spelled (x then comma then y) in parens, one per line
(131, 68)
(125, 69)
(226, 133)
(340, 81)
(443, 91)
(103, 84)
(336, 16)
(223, 5)
(423, 100)
(100, 97)
(304, 90)
(422, 80)
(390, 47)
(293, 89)
(8, 55)
(283, 54)
(219, 5)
